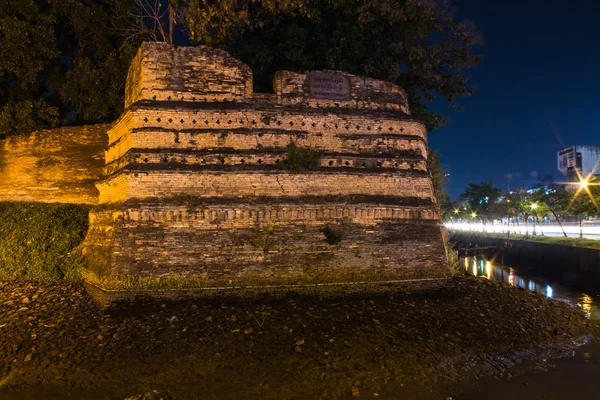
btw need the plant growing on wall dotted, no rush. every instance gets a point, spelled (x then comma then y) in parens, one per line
(262, 238)
(300, 159)
(192, 202)
(332, 235)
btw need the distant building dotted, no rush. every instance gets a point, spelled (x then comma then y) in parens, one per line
(579, 158)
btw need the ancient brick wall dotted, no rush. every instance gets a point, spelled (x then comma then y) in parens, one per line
(286, 245)
(162, 72)
(58, 165)
(365, 93)
(195, 183)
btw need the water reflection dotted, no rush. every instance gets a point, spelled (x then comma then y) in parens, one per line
(479, 266)
(586, 303)
(575, 378)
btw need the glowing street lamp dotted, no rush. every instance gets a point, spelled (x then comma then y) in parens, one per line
(456, 211)
(474, 215)
(534, 206)
(584, 184)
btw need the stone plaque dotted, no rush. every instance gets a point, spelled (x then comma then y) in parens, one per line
(325, 85)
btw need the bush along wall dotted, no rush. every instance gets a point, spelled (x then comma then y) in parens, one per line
(41, 241)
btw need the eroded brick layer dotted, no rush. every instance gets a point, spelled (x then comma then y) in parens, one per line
(195, 183)
(53, 166)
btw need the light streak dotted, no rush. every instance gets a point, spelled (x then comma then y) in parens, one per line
(570, 230)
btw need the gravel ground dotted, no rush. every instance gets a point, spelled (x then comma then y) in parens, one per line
(54, 340)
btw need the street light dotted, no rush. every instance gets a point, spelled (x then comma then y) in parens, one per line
(474, 215)
(583, 183)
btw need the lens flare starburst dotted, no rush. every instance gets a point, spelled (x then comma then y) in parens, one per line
(584, 183)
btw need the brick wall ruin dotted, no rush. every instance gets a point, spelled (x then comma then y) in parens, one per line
(195, 184)
(53, 166)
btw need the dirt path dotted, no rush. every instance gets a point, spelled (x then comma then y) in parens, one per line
(301, 348)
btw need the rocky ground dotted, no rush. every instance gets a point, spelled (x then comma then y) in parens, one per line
(54, 340)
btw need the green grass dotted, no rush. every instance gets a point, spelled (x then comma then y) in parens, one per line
(41, 241)
(568, 241)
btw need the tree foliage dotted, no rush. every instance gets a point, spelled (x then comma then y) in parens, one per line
(414, 43)
(482, 199)
(26, 41)
(62, 62)
(513, 204)
(554, 199)
(584, 203)
(438, 175)
(547, 199)
(65, 61)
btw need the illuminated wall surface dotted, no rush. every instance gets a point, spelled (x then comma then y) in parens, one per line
(194, 183)
(58, 165)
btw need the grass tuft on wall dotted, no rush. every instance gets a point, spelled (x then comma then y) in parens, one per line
(41, 241)
(300, 159)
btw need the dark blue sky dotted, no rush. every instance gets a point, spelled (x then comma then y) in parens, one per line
(539, 90)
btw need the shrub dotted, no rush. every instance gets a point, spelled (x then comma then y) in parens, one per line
(263, 238)
(40, 241)
(453, 261)
(332, 235)
(190, 201)
(300, 158)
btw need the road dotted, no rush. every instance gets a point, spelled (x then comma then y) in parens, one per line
(589, 231)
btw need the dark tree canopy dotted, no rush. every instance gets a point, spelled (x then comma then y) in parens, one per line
(415, 43)
(27, 41)
(61, 62)
(439, 179)
(65, 61)
(483, 199)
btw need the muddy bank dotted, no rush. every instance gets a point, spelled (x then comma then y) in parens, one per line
(53, 337)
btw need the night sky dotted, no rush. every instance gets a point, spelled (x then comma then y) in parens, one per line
(538, 91)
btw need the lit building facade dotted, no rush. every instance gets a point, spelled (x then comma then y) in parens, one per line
(582, 159)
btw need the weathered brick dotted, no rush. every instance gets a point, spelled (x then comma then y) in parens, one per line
(195, 186)
(56, 165)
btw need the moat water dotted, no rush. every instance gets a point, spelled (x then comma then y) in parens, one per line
(575, 377)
